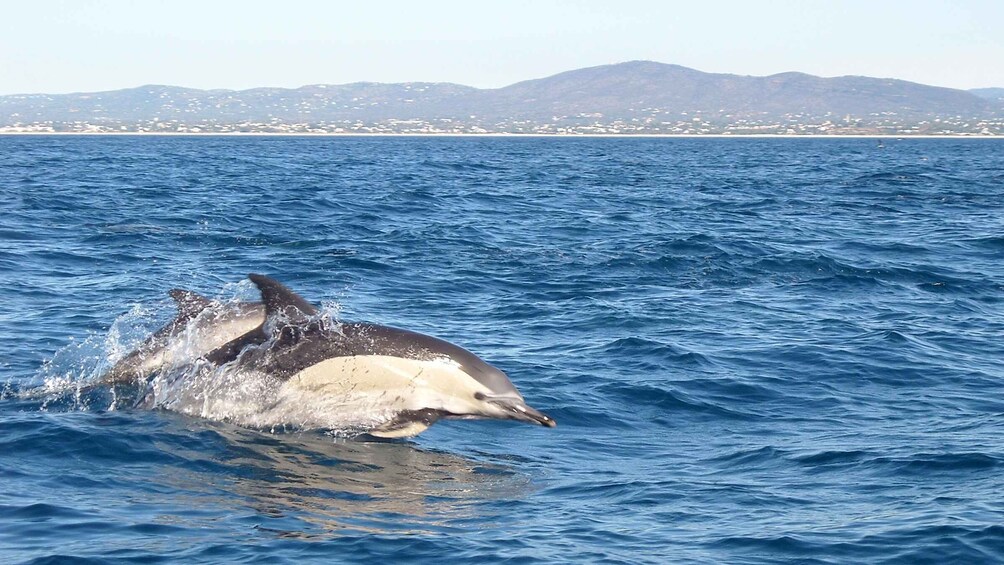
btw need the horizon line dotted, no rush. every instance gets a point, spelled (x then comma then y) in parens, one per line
(513, 135)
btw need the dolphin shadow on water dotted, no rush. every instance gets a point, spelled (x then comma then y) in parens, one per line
(282, 364)
(302, 485)
(312, 487)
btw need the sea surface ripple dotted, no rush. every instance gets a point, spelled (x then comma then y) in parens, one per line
(757, 350)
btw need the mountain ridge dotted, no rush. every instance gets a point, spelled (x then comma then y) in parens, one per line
(642, 96)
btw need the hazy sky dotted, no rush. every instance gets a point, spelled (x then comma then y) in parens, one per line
(87, 45)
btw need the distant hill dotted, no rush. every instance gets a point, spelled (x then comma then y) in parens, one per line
(627, 87)
(995, 94)
(639, 95)
(358, 101)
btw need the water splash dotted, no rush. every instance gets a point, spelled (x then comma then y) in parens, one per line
(76, 377)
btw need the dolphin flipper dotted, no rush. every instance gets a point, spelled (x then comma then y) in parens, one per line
(232, 349)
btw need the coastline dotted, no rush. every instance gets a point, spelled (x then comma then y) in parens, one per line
(507, 135)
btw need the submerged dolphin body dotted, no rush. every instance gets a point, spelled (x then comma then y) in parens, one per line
(201, 326)
(404, 381)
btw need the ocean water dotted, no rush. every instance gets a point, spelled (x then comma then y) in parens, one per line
(757, 350)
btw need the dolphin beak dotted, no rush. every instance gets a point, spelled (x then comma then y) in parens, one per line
(517, 410)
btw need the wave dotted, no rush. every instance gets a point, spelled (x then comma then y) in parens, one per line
(662, 402)
(656, 354)
(895, 178)
(928, 464)
(922, 544)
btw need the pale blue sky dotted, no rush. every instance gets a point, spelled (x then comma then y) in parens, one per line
(87, 45)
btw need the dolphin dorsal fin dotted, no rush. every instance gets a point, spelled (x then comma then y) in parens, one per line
(280, 301)
(190, 304)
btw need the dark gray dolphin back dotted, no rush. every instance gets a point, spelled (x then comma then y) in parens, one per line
(313, 342)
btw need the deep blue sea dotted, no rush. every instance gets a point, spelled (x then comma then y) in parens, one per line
(756, 350)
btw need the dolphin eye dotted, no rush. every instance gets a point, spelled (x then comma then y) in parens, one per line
(479, 396)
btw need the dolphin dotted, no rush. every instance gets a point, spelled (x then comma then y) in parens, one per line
(407, 380)
(201, 326)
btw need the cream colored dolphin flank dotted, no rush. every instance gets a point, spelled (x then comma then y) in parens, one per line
(403, 381)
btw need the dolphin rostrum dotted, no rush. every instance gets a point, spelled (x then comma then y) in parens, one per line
(404, 380)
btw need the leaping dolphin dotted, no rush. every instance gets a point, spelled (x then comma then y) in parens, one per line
(201, 326)
(406, 380)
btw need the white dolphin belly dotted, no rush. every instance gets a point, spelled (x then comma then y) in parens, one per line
(374, 389)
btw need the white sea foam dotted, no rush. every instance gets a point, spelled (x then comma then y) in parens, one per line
(187, 384)
(251, 398)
